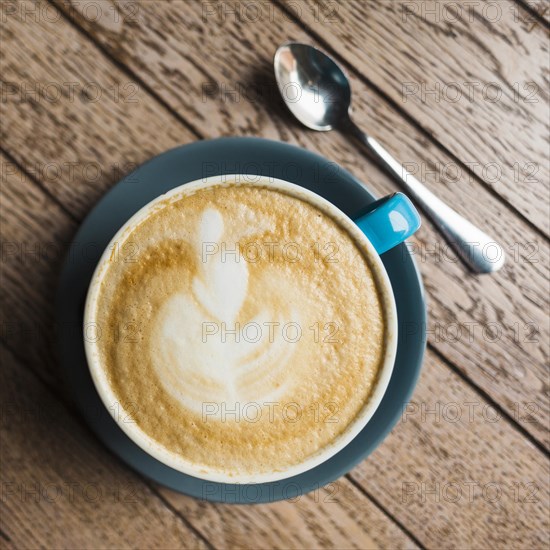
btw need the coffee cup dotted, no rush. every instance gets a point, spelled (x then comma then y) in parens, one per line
(192, 318)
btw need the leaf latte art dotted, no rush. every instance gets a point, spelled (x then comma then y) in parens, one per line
(246, 332)
(193, 362)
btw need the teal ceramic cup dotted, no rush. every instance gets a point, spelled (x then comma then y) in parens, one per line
(381, 226)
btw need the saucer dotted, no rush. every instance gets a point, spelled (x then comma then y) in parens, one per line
(191, 162)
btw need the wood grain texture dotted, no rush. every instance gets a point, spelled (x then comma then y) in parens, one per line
(454, 480)
(474, 75)
(337, 516)
(223, 85)
(60, 487)
(60, 91)
(36, 233)
(458, 472)
(175, 52)
(534, 13)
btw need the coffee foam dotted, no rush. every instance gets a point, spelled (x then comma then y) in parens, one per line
(175, 350)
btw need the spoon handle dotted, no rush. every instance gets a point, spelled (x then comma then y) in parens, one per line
(476, 249)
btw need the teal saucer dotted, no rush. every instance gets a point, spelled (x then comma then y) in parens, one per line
(231, 156)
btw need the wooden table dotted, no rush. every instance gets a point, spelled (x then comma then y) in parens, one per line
(457, 92)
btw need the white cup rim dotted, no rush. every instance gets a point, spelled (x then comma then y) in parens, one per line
(177, 462)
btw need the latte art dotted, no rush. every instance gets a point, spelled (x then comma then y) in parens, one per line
(234, 369)
(240, 366)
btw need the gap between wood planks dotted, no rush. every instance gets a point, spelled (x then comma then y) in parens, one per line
(40, 185)
(124, 68)
(381, 507)
(407, 116)
(4, 536)
(535, 13)
(490, 400)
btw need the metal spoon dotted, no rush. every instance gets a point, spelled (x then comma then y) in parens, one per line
(318, 93)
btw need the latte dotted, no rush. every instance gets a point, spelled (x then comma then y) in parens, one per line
(240, 328)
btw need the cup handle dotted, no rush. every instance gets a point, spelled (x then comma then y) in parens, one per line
(389, 221)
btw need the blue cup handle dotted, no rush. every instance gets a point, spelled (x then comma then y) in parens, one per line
(389, 221)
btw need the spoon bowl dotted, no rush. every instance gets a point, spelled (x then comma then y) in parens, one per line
(313, 86)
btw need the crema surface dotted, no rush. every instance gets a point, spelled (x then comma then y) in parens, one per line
(241, 328)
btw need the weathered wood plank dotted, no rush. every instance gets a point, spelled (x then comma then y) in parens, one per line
(35, 237)
(60, 90)
(459, 472)
(205, 68)
(475, 75)
(61, 489)
(335, 516)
